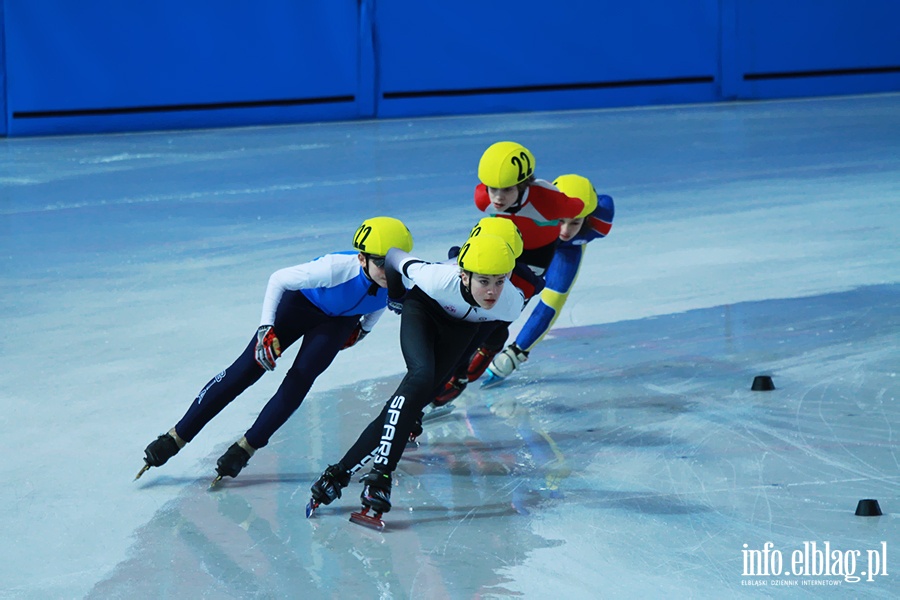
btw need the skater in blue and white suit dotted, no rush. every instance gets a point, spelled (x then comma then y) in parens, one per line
(331, 302)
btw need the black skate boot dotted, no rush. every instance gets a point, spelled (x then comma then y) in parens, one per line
(376, 496)
(235, 458)
(376, 492)
(160, 450)
(327, 487)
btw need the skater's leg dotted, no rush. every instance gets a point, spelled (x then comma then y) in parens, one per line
(317, 351)
(219, 392)
(294, 316)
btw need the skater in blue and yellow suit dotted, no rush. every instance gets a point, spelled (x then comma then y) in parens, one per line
(594, 222)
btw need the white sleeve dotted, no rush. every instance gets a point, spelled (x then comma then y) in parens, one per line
(317, 273)
(368, 321)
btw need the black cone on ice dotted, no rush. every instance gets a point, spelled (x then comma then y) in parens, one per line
(868, 508)
(762, 383)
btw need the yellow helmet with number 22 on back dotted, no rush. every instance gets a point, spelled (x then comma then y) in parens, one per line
(486, 254)
(505, 164)
(502, 228)
(576, 186)
(379, 234)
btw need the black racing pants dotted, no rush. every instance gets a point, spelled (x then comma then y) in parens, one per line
(296, 317)
(432, 343)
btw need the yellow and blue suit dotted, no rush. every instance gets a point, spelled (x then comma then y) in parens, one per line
(562, 273)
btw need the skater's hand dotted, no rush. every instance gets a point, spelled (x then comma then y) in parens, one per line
(268, 348)
(356, 336)
(396, 304)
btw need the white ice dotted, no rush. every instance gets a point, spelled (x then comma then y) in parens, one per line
(628, 458)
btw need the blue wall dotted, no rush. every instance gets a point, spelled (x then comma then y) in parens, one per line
(108, 65)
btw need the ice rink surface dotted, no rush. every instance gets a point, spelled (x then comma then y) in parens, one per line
(628, 458)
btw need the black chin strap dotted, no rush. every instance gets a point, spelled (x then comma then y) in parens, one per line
(466, 291)
(373, 287)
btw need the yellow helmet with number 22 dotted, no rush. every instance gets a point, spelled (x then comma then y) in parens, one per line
(379, 234)
(505, 164)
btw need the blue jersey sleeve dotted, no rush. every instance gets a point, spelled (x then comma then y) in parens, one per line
(560, 277)
(597, 224)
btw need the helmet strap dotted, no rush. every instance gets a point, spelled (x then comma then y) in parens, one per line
(466, 290)
(366, 268)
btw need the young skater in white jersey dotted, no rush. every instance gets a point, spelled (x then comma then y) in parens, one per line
(441, 313)
(332, 303)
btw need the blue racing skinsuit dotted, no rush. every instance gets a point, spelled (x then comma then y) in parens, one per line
(562, 272)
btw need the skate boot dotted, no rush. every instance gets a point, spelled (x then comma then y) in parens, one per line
(376, 496)
(376, 492)
(504, 364)
(451, 391)
(327, 487)
(235, 458)
(160, 450)
(480, 362)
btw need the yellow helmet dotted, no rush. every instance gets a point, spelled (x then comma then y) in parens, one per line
(576, 186)
(503, 228)
(379, 234)
(505, 164)
(486, 254)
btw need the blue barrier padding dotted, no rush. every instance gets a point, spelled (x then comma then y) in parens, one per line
(108, 65)
(814, 35)
(475, 45)
(3, 113)
(71, 59)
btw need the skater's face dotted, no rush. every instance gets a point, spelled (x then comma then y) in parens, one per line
(569, 228)
(375, 266)
(485, 289)
(503, 198)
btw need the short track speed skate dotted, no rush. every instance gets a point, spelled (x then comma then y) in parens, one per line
(327, 487)
(371, 521)
(160, 450)
(375, 497)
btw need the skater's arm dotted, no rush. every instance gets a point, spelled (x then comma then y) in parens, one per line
(396, 270)
(317, 273)
(552, 203)
(599, 223)
(367, 322)
(561, 277)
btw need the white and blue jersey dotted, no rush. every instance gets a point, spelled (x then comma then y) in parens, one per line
(334, 283)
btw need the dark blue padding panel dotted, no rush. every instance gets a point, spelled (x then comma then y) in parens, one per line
(816, 47)
(139, 64)
(475, 56)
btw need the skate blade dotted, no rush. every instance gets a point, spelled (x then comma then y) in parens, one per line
(492, 382)
(437, 413)
(362, 518)
(311, 507)
(143, 470)
(215, 481)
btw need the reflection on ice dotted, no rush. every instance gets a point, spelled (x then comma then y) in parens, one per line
(631, 456)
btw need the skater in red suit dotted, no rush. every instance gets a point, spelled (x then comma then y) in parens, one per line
(510, 190)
